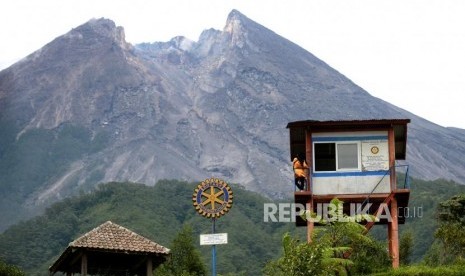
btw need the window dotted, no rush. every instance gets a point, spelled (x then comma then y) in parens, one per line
(341, 156)
(325, 156)
(347, 156)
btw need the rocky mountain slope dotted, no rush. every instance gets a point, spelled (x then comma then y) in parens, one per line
(179, 109)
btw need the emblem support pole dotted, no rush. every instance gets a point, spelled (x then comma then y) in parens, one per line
(213, 249)
(212, 199)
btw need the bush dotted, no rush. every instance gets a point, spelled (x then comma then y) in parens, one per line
(9, 270)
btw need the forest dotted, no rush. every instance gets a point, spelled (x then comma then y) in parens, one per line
(432, 241)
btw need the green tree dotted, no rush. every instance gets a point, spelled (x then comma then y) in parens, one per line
(436, 255)
(405, 247)
(185, 259)
(342, 231)
(338, 248)
(300, 259)
(9, 270)
(450, 244)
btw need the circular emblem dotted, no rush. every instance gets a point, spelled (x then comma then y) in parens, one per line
(374, 150)
(212, 198)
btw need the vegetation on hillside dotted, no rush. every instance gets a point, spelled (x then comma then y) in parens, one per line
(422, 214)
(9, 270)
(160, 212)
(35, 157)
(449, 246)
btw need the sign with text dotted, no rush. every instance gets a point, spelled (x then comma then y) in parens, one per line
(375, 155)
(213, 239)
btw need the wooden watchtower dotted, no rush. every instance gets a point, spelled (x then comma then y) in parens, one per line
(354, 161)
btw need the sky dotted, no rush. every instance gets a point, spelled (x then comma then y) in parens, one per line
(410, 53)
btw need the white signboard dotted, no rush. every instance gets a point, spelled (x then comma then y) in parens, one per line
(375, 155)
(212, 239)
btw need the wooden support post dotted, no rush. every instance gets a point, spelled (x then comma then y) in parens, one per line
(310, 224)
(393, 234)
(390, 242)
(84, 264)
(392, 159)
(308, 158)
(149, 267)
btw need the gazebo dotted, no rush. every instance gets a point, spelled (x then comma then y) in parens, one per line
(110, 249)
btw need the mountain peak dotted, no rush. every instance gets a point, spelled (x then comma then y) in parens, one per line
(235, 14)
(101, 28)
(238, 26)
(235, 21)
(101, 23)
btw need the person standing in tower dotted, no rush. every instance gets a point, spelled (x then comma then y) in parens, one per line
(300, 171)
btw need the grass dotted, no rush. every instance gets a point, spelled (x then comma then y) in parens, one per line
(423, 270)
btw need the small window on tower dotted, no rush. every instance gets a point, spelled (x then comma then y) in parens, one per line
(325, 156)
(337, 156)
(347, 156)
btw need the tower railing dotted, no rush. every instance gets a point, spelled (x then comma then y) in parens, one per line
(405, 176)
(402, 178)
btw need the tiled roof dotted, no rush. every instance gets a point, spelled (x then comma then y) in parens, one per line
(111, 236)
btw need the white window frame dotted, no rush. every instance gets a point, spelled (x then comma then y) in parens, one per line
(359, 156)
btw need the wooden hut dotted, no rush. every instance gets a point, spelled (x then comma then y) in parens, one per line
(110, 249)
